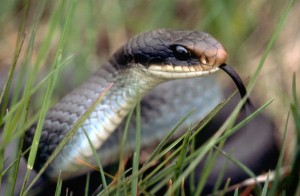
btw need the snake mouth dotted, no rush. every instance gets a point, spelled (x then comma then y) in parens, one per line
(180, 71)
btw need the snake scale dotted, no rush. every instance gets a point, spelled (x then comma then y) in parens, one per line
(147, 66)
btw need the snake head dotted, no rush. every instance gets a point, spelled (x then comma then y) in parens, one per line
(172, 54)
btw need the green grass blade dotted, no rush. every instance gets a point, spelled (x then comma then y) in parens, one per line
(109, 28)
(50, 88)
(7, 132)
(97, 158)
(14, 110)
(238, 163)
(161, 178)
(293, 180)
(197, 128)
(122, 149)
(136, 154)
(191, 167)
(265, 188)
(206, 171)
(12, 164)
(220, 178)
(45, 107)
(19, 46)
(295, 98)
(14, 173)
(236, 192)
(183, 152)
(210, 162)
(86, 190)
(200, 153)
(159, 168)
(72, 131)
(58, 186)
(149, 179)
(158, 152)
(218, 137)
(192, 183)
(245, 121)
(164, 141)
(274, 37)
(277, 178)
(48, 93)
(225, 187)
(4, 96)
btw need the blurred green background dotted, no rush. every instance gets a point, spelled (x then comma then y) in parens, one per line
(100, 27)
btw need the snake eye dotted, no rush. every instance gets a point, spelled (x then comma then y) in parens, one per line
(181, 53)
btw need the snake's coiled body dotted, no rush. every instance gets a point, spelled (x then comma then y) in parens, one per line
(146, 61)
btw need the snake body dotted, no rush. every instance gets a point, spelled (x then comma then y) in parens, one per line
(143, 67)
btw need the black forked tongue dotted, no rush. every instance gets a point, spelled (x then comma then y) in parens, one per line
(237, 80)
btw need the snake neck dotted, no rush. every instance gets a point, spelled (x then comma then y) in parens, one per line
(128, 85)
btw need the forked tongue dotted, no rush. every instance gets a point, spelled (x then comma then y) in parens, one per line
(237, 80)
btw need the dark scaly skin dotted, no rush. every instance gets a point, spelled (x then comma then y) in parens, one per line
(128, 68)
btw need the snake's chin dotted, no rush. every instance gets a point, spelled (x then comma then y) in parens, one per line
(180, 72)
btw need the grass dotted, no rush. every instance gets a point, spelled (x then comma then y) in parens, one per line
(70, 37)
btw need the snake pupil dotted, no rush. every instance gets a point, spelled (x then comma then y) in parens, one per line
(181, 53)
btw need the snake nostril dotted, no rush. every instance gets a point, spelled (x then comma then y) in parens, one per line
(221, 56)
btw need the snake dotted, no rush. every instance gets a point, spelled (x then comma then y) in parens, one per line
(171, 70)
